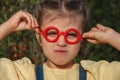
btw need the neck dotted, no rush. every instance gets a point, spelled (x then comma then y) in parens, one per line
(57, 66)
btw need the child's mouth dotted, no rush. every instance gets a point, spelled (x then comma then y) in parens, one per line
(60, 51)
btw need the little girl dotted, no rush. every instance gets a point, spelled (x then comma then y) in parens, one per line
(60, 30)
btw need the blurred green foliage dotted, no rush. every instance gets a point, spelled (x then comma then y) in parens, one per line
(107, 13)
(23, 43)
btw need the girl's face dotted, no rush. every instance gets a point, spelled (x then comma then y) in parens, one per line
(60, 54)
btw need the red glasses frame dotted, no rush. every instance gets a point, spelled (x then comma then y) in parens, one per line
(44, 33)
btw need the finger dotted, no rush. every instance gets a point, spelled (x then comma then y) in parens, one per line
(36, 23)
(94, 29)
(36, 27)
(32, 20)
(88, 35)
(27, 17)
(92, 41)
(101, 27)
(21, 26)
(37, 30)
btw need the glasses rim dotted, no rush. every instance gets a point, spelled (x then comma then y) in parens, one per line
(64, 33)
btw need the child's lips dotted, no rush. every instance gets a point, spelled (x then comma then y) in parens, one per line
(60, 51)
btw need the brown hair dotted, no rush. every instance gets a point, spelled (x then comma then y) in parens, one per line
(62, 8)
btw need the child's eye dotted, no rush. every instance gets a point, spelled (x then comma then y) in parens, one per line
(71, 35)
(51, 33)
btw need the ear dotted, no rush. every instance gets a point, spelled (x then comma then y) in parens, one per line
(38, 38)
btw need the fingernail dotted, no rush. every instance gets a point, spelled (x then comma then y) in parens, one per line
(83, 35)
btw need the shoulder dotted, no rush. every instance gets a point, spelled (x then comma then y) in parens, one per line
(25, 68)
(24, 65)
(101, 63)
(102, 69)
(22, 68)
(7, 69)
(4, 62)
(24, 61)
(89, 63)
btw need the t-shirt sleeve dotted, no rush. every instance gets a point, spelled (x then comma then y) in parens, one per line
(102, 70)
(7, 70)
(21, 69)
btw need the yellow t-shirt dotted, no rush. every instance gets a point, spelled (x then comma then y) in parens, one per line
(61, 74)
(23, 69)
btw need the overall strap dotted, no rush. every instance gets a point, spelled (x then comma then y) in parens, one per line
(82, 73)
(40, 76)
(39, 73)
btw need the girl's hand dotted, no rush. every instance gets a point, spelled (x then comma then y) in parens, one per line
(100, 34)
(22, 20)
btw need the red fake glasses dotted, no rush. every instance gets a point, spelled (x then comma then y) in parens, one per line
(52, 34)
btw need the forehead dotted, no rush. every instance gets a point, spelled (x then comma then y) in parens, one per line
(63, 22)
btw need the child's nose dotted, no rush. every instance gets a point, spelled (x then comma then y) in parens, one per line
(61, 41)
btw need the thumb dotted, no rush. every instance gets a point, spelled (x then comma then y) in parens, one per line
(22, 26)
(88, 35)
